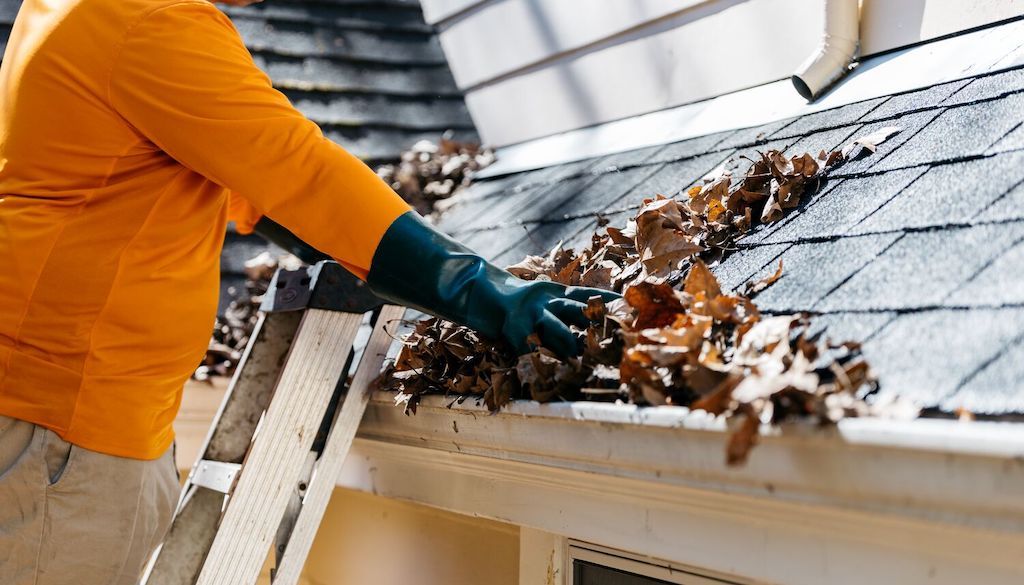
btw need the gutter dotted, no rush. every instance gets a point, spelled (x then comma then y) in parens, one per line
(949, 471)
(832, 59)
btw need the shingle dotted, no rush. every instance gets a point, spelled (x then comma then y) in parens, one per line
(959, 132)
(910, 124)
(565, 171)
(1000, 283)
(836, 211)
(925, 356)
(492, 211)
(836, 328)
(550, 203)
(381, 109)
(383, 144)
(608, 189)
(491, 243)
(670, 178)
(1012, 141)
(539, 239)
(989, 86)
(308, 72)
(1009, 206)
(762, 232)
(841, 116)
(737, 159)
(540, 176)
(813, 269)
(997, 388)
(827, 140)
(369, 16)
(948, 194)
(922, 268)
(742, 265)
(621, 160)
(487, 187)
(921, 99)
(858, 327)
(307, 39)
(690, 147)
(756, 134)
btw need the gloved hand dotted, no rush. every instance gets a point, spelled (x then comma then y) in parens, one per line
(417, 266)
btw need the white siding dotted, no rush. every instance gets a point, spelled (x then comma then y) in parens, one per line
(502, 37)
(698, 54)
(886, 24)
(533, 68)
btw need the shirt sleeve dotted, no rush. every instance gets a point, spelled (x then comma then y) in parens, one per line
(242, 213)
(185, 80)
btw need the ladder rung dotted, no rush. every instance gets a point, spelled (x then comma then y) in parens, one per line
(215, 475)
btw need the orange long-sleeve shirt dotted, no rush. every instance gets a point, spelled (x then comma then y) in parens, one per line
(123, 126)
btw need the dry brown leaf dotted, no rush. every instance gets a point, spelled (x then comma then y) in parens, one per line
(700, 280)
(743, 439)
(753, 288)
(656, 304)
(871, 141)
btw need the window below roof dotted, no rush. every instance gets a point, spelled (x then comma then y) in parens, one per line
(593, 565)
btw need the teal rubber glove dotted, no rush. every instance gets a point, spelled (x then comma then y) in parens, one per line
(419, 267)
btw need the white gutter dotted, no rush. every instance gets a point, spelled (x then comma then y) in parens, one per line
(835, 53)
(951, 471)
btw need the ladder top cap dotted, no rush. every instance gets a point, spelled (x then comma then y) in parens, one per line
(325, 285)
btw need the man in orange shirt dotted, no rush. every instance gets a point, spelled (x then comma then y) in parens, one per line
(126, 127)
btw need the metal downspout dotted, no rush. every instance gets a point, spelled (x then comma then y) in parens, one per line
(832, 59)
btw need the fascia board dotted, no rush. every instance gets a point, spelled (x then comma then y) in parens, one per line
(757, 539)
(949, 471)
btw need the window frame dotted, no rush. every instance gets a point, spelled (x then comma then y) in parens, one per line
(639, 565)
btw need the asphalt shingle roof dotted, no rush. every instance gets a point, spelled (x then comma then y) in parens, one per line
(371, 73)
(917, 250)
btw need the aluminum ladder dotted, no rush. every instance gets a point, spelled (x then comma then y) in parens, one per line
(281, 435)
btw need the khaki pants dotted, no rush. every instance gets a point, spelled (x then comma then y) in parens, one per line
(70, 516)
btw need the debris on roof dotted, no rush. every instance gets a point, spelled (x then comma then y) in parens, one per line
(429, 172)
(675, 338)
(915, 250)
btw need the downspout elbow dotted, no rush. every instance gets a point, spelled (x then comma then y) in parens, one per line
(832, 59)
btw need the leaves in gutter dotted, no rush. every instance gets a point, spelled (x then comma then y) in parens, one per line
(676, 338)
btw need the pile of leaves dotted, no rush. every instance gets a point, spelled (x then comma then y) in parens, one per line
(429, 173)
(675, 338)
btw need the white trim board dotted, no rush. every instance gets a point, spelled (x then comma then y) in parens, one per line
(976, 53)
(938, 470)
(759, 538)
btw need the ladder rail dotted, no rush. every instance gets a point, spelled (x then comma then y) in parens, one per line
(180, 558)
(259, 475)
(339, 442)
(258, 503)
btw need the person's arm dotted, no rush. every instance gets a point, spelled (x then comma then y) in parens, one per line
(185, 81)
